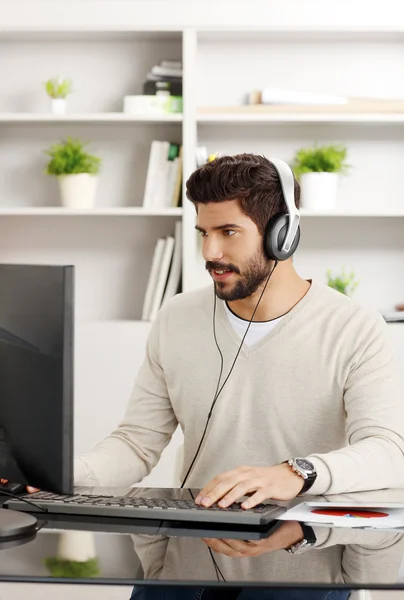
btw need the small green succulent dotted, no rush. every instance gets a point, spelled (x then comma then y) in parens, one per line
(58, 87)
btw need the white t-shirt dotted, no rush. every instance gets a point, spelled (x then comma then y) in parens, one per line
(257, 330)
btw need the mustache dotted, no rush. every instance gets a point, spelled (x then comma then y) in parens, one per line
(215, 266)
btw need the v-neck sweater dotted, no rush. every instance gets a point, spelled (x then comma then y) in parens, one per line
(323, 384)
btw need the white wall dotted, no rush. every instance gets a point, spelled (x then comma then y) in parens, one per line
(107, 358)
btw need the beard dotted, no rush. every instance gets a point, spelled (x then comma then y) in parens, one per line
(254, 272)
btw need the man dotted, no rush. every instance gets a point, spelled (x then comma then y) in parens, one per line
(313, 378)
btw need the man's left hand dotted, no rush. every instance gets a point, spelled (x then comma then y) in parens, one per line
(278, 483)
(289, 533)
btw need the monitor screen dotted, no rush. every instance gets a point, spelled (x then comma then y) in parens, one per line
(36, 376)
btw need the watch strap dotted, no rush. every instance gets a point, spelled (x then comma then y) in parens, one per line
(308, 481)
(309, 539)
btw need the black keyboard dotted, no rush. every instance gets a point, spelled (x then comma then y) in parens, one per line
(145, 508)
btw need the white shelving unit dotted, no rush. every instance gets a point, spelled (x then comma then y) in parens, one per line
(88, 118)
(304, 213)
(136, 211)
(234, 118)
(107, 49)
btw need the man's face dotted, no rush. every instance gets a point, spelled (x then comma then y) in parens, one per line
(233, 250)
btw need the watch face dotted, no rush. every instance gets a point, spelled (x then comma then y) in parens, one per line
(305, 464)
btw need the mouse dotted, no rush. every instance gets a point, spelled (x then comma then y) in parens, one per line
(13, 488)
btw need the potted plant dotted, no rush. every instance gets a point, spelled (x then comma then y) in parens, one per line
(344, 282)
(58, 88)
(75, 557)
(76, 171)
(317, 170)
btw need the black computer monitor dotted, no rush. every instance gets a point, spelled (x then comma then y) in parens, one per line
(36, 376)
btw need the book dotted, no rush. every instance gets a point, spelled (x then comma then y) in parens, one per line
(159, 86)
(273, 95)
(160, 187)
(394, 316)
(161, 278)
(174, 278)
(164, 173)
(152, 174)
(153, 277)
(176, 191)
(172, 79)
(166, 71)
(171, 64)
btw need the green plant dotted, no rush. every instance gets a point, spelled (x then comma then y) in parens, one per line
(58, 87)
(330, 159)
(69, 158)
(70, 568)
(344, 282)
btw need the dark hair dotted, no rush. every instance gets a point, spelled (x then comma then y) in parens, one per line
(250, 178)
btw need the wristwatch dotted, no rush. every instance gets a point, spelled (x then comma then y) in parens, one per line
(306, 543)
(305, 469)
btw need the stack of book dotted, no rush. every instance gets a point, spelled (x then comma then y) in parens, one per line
(164, 176)
(161, 93)
(164, 78)
(165, 273)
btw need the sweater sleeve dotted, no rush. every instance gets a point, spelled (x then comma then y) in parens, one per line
(374, 405)
(377, 562)
(130, 452)
(368, 556)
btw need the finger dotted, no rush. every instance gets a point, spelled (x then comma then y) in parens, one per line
(240, 490)
(32, 490)
(3, 480)
(221, 547)
(223, 486)
(260, 495)
(205, 492)
(234, 476)
(242, 546)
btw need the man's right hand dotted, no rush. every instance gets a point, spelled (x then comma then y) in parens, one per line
(30, 489)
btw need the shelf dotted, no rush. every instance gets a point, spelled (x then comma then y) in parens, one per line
(347, 214)
(282, 118)
(89, 118)
(267, 32)
(56, 211)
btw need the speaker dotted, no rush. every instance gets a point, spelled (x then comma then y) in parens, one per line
(282, 234)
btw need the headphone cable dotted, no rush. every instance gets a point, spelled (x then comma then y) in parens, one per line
(217, 393)
(219, 390)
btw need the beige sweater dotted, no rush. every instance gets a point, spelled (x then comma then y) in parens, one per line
(322, 384)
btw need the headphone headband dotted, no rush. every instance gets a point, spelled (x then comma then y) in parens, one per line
(288, 189)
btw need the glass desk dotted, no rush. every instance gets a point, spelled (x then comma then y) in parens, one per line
(128, 552)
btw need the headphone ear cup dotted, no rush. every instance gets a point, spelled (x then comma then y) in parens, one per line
(275, 236)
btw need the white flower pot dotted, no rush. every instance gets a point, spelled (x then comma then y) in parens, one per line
(76, 545)
(78, 191)
(58, 106)
(319, 191)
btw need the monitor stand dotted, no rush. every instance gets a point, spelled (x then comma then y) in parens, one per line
(16, 525)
